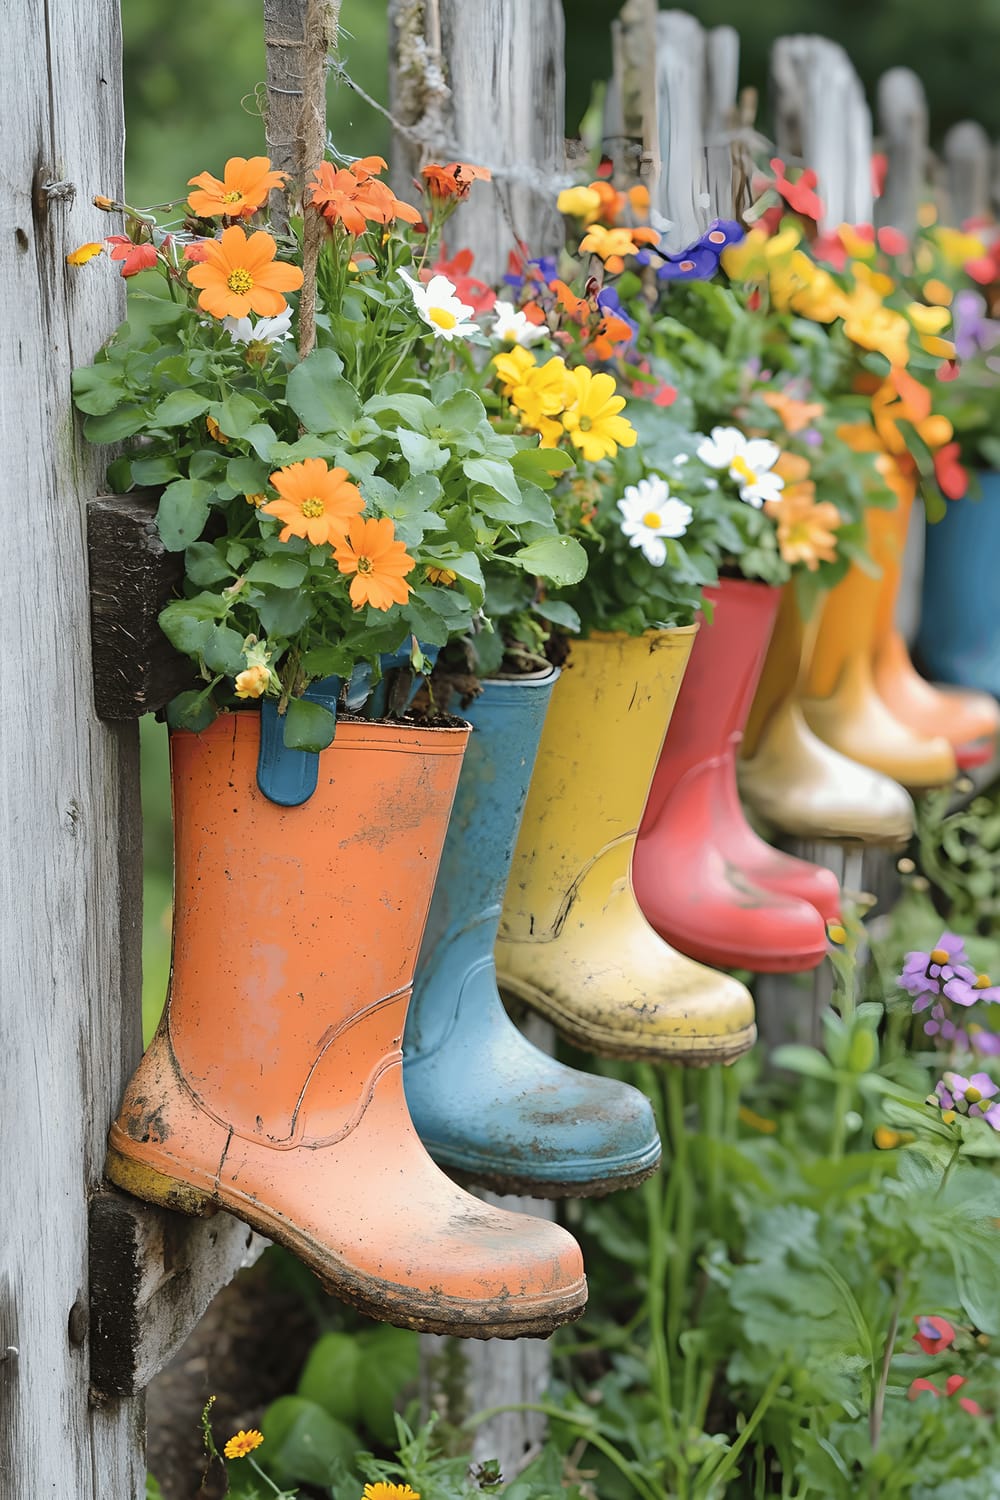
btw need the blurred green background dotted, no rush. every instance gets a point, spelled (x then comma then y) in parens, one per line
(191, 89)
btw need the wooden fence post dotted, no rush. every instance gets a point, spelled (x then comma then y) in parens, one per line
(823, 121)
(70, 871)
(902, 118)
(969, 168)
(484, 81)
(630, 124)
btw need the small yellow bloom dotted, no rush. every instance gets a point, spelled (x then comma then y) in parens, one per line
(940, 348)
(887, 1139)
(383, 1491)
(243, 1443)
(444, 577)
(579, 203)
(250, 684)
(593, 420)
(948, 1116)
(215, 432)
(856, 247)
(938, 292)
(927, 215)
(757, 1122)
(836, 933)
(957, 247)
(512, 366)
(928, 319)
(257, 500)
(83, 253)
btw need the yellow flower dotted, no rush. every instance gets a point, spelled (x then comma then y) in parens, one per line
(383, 1491)
(880, 284)
(83, 253)
(836, 933)
(938, 292)
(928, 319)
(592, 422)
(887, 1139)
(871, 325)
(613, 244)
(579, 203)
(442, 576)
(257, 500)
(250, 684)
(753, 258)
(957, 247)
(927, 215)
(856, 247)
(543, 395)
(243, 1443)
(215, 432)
(512, 366)
(806, 534)
(940, 348)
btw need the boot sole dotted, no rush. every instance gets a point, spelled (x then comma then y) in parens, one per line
(698, 1052)
(505, 1317)
(534, 1187)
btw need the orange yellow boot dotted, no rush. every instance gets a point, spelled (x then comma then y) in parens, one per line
(273, 1088)
(841, 703)
(967, 719)
(573, 942)
(788, 777)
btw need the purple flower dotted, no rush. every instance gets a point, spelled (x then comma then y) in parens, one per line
(720, 233)
(972, 329)
(934, 973)
(813, 437)
(697, 263)
(967, 1095)
(985, 1043)
(544, 268)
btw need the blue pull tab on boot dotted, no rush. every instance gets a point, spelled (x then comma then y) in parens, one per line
(285, 776)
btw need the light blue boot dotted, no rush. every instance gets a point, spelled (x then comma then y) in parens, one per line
(486, 1103)
(959, 639)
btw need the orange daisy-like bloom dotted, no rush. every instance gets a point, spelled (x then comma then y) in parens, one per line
(353, 196)
(370, 551)
(80, 256)
(316, 502)
(454, 180)
(612, 244)
(251, 684)
(806, 528)
(383, 1491)
(240, 276)
(243, 1443)
(244, 188)
(795, 415)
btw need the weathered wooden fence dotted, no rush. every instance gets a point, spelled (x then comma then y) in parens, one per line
(96, 1290)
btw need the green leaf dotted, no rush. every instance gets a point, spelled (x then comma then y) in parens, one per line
(319, 396)
(193, 710)
(223, 651)
(235, 415)
(302, 1442)
(206, 463)
(146, 313)
(540, 465)
(416, 411)
(460, 415)
(120, 476)
(124, 422)
(187, 623)
(179, 407)
(496, 475)
(285, 611)
(308, 726)
(182, 513)
(154, 470)
(283, 572)
(331, 1376)
(421, 453)
(559, 559)
(390, 1359)
(262, 440)
(804, 1060)
(559, 612)
(246, 476)
(98, 389)
(204, 564)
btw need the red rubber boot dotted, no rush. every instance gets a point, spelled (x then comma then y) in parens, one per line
(704, 879)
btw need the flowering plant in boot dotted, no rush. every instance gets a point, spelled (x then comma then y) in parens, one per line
(335, 504)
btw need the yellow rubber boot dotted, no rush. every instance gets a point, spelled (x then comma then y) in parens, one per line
(573, 943)
(788, 777)
(842, 704)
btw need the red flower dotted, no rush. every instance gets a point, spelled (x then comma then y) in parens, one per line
(892, 241)
(952, 1384)
(134, 258)
(476, 294)
(954, 482)
(799, 195)
(880, 170)
(195, 251)
(934, 1334)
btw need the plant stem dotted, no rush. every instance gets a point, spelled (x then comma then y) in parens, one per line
(878, 1400)
(595, 1439)
(729, 1460)
(682, 1225)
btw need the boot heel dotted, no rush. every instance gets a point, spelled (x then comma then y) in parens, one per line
(152, 1186)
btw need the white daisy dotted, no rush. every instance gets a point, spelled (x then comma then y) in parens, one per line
(515, 327)
(748, 461)
(649, 513)
(438, 305)
(264, 331)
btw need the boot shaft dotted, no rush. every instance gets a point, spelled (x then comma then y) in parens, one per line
(959, 638)
(848, 628)
(718, 687)
(292, 924)
(609, 713)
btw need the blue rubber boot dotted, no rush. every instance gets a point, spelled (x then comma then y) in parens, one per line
(487, 1104)
(959, 639)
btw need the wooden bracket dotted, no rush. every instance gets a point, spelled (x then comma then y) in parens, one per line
(152, 1275)
(132, 577)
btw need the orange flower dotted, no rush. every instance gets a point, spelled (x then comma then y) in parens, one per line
(240, 276)
(795, 415)
(806, 529)
(454, 180)
(316, 502)
(370, 551)
(252, 683)
(80, 256)
(243, 189)
(353, 197)
(793, 467)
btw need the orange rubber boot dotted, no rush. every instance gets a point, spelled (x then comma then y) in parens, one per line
(841, 704)
(968, 720)
(573, 941)
(273, 1087)
(788, 777)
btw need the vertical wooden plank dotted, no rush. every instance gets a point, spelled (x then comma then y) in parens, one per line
(823, 121)
(483, 81)
(70, 869)
(902, 117)
(968, 159)
(630, 108)
(721, 113)
(682, 191)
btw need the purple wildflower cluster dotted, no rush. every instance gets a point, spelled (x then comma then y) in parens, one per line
(700, 261)
(945, 983)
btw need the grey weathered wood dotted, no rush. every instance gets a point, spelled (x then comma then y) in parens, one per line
(459, 1377)
(631, 133)
(483, 81)
(681, 194)
(968, 159)
(70, 861)
(721, 117)
(132, 577)
(902, 117)
(822, 121)
(152, 1275)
